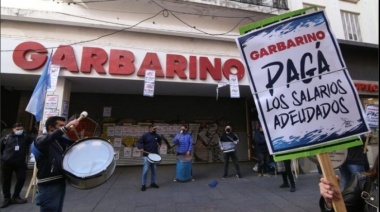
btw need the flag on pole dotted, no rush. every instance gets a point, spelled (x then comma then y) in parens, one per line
(36, 102)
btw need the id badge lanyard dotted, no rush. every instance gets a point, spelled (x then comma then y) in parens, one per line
(17, 147)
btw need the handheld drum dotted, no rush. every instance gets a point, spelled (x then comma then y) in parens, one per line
(154, 158)
(89, 163)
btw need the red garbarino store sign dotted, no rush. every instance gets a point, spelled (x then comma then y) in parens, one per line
(108, 62)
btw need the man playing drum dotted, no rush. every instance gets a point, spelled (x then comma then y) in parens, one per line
(49, 149)
(184, 142)
(149, 142)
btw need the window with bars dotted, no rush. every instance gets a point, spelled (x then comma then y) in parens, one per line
(351, 26)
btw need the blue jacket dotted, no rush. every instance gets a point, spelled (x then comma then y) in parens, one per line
(184, 142)
(149, 142)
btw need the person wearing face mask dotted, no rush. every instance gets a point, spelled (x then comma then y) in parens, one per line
(227, 144)
(184, 142)
(49, 149)
(14, 152)
(149, 142)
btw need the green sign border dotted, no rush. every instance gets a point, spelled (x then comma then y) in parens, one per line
(256, 25)
(333, 146)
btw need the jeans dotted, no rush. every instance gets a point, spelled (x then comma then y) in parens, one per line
(7, 171)
(153, 169)
(226, 157)
(50, 197)
(346, 171)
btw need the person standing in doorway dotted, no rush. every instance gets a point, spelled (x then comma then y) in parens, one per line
(149, 142)
(14, 153)
(262, 152)
(227, 144)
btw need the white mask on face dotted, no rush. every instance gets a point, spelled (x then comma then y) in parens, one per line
(19, 132)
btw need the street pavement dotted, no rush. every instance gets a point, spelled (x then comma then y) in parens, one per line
(251, 193)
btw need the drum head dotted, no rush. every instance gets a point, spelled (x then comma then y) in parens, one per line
(154, 158)
(184, 158)
(88, 157)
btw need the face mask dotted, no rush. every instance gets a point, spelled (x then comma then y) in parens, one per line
(19, 132)
(154, 131)
(228, 130)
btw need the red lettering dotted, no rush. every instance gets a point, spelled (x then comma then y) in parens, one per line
(121, 62)
(233, 64)
(374, 88)
(64, 57)
(93, 58)
(193, 67)
(366, 87)
(37, 58)
(151, 62)
(176, 64)
(205, 67)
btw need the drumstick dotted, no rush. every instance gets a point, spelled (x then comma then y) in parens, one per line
(83, 115)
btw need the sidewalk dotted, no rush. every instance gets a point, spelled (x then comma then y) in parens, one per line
(251, 193)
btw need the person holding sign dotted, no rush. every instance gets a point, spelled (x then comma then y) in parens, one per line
(361, 193)
(227, 144)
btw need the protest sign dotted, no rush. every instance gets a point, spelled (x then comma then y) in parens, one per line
(306, 99)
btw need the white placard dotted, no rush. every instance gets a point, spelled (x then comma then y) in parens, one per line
(54, 73)
(51, 102)
(107, 111)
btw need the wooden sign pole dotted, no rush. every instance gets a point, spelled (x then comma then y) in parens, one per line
(329, 174)
(366, 143)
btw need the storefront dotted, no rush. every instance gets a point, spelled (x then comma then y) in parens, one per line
(108, 83)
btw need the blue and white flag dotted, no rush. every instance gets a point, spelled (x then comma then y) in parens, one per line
(36, 102)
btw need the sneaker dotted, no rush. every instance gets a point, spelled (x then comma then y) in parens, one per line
(267, 175)
(292, 189)
(284, 186)
(6, 203)
(18, 200)
(175, 180)
(224, 176)
(154, 185)
(192, 179)
(238, 176)
(143, 188)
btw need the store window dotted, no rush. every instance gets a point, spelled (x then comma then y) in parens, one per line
(367, 101)
(351, 26)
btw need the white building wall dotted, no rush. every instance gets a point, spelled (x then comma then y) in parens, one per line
(368, 11)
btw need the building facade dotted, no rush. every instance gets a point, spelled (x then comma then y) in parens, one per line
(105, 48)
